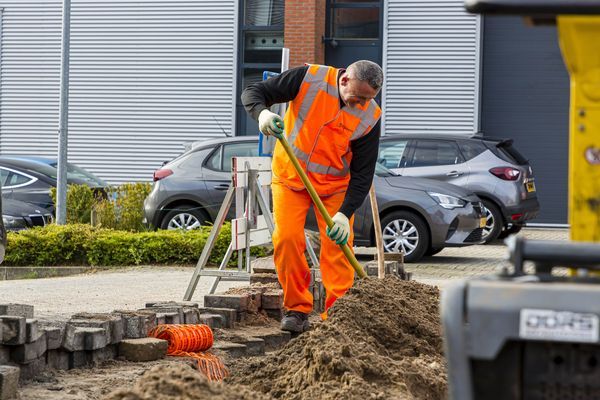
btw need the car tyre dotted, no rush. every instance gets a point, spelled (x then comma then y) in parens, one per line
(406, 231)
(493, 223)
(432, 251)
(511, 230)
(184, 217)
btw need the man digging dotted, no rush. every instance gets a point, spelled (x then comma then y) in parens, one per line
(332, 126)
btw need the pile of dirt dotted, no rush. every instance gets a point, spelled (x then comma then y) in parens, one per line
(181, 382)
(382, 340)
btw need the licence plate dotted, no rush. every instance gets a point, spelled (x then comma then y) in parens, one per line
(530, 186)
(564, 326)
(482, 222)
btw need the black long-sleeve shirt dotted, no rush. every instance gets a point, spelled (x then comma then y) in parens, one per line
(284, 88)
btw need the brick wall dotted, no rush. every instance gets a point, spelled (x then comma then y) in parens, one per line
(304, 29)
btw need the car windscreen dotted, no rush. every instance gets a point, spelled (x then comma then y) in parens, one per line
(506, 151)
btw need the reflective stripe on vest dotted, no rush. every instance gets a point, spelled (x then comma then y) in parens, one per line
(367, 119)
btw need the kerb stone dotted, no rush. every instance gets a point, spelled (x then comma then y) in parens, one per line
(9, 382)
(13, 330)
(145, 349)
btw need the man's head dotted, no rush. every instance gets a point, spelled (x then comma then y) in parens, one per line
(360, 83)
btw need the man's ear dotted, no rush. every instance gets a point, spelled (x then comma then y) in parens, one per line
(344, 79)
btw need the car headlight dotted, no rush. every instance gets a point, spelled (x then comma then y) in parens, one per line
(446, 201)
(13, 223)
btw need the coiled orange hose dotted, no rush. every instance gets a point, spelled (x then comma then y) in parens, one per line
(190, 341)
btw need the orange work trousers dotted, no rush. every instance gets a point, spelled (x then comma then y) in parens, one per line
(290, 208)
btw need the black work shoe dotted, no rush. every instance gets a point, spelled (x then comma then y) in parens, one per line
(295, 321)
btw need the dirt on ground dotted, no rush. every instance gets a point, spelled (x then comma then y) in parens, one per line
(381, 341)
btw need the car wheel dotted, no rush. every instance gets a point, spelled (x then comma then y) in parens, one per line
(433, 251)
(407, 232)
(184, 217)
(493, 222)
(511, 230)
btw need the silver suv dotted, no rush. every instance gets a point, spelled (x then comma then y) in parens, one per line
(491, 168)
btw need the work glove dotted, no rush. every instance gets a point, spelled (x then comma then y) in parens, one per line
(270, 124)
(340, 231)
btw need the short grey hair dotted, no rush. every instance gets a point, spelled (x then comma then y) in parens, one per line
(367, 71)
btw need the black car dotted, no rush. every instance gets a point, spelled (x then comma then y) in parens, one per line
(29, 179)
(18, 215)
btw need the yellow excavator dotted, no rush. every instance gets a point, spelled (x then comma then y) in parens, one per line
(531, 332)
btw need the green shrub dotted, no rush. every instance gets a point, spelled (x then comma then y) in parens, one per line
(79, 244)
(80, 200)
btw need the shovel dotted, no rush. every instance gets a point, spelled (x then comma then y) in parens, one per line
(315, 198)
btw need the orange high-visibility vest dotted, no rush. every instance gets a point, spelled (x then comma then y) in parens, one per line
(320, 132)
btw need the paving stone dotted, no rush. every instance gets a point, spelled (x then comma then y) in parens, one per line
(57, 359)
(116, 325)
(13, 330)
(54, 336)
(78, 359)
(16, 310)
(239, 302)
(191, 304)
(4, 354)
(32, 369)
(173, 318)
(149, 319)
(275, 314)
(9, 382)
(234, 350)
(29, 352)
(275, 340)
(145, 349)
(212, 320)
(166, 309)
(229, 315)
(109, 352)
(32, 330)
(93, 323)
(160, 319)
(272, 300)
(372, 268)
(191, 315)
(263, 278)
(254, 346)
(134, 324)
(263, 265)
(80, 338)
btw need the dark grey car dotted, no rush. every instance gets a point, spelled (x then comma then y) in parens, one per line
(491, 168)
(418, 216)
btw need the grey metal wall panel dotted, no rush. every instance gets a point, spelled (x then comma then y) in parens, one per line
(145, 77)
(525, 96)
(430, 61)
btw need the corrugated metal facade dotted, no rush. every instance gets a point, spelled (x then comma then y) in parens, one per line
(431, 61)
(145, 77)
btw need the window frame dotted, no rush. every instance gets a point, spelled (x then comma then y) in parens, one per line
(410, 164)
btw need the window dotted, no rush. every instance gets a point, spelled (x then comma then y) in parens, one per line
(261, 41)
(471, 149)
(354, 19)
(392, 153)
(11, 179)
(238, 150)
(435, 152)
(214, 161)
(220, 160)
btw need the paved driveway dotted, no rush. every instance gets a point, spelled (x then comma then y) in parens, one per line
(461, 262)
(130, 288)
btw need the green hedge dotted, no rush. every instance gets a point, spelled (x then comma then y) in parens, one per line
(80, 244)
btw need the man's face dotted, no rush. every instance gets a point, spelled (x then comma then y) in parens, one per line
(354, 92)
